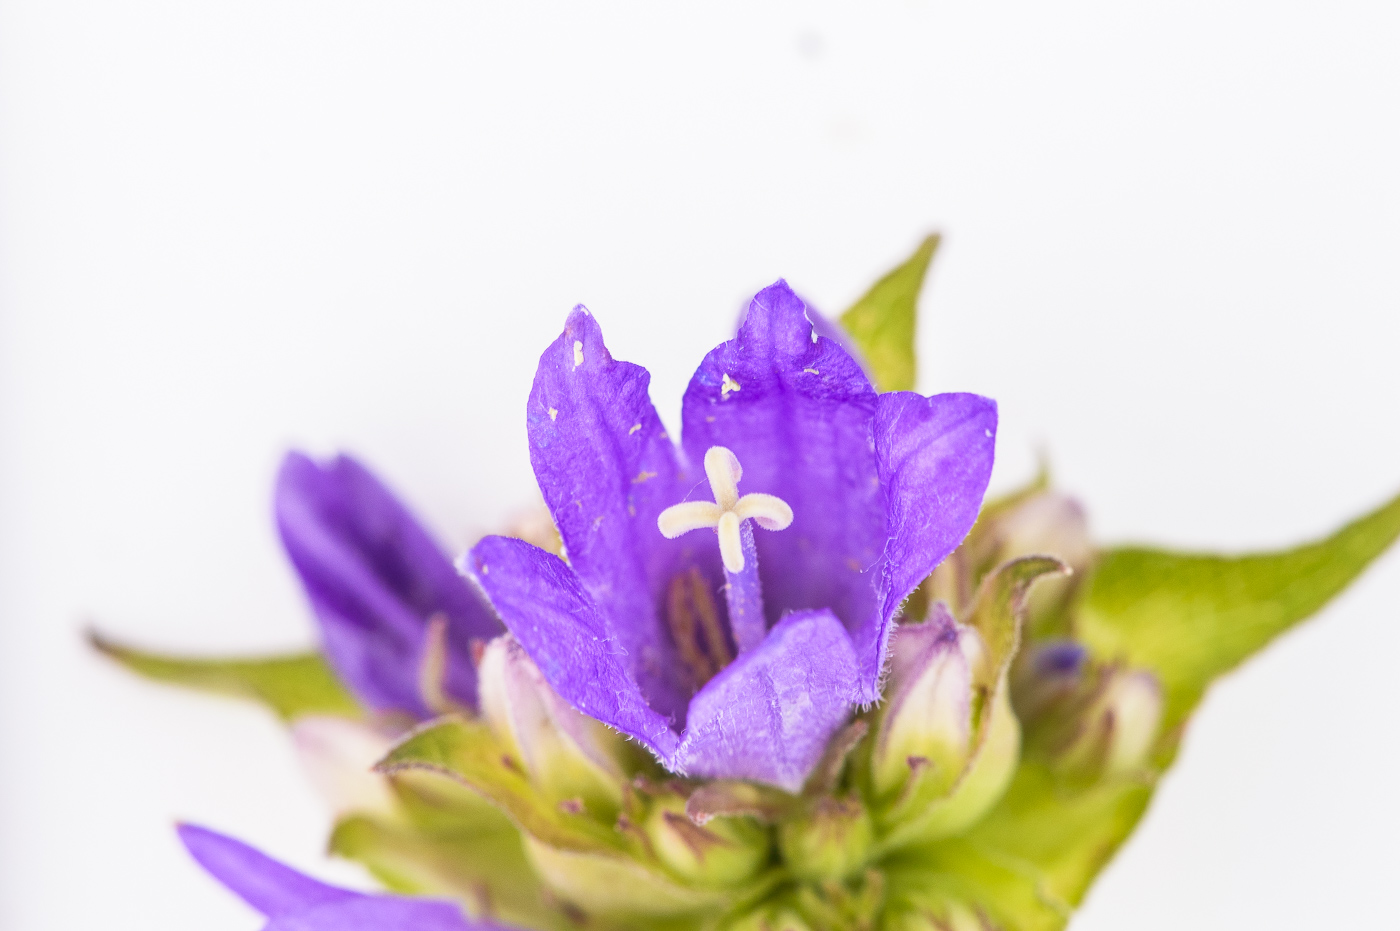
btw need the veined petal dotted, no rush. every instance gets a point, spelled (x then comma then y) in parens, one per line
(374, 577)
(935, 458)
(769, 714)
(544, 604)
(296, 902)
(796, 410)
(607, 470)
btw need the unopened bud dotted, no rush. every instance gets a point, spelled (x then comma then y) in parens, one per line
(1049, 524)
(830, 839)
(1046, 676)
(339, 757)
(570, 757)
(769, 918)
(1108, 729)
(723, 852)
(928, 720)
(943, 916)
(611, 884)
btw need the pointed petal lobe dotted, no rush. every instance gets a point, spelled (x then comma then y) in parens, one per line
(268, 886)
(607, 470)
(796, 410)
(296, 902)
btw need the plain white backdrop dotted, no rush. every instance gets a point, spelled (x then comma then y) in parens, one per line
(227, 228)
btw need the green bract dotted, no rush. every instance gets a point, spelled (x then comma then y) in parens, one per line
(1038, 689)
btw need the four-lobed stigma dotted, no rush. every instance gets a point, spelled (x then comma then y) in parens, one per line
(727, 511)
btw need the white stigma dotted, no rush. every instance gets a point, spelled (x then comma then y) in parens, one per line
(725, 513)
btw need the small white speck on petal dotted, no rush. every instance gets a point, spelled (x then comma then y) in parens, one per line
(553, 413)
(635, 428)
(727, 386)
(988, 432)
(811, 371)
(578, 353)
(814, 334)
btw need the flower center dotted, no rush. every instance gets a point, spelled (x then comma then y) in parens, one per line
(727, 512)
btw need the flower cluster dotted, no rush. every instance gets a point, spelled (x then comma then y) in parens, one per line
(893, 707)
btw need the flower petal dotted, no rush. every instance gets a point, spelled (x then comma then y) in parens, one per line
(270, 887)
(797, 410)
(374, 577)
(768, 715)
(935, 458)
(607, 470)
(380, 913)
(544, 604)
(296, 902)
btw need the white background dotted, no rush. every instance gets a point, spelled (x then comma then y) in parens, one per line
(227, 228)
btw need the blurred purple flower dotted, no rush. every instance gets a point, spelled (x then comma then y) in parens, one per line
(292, 901)
(375, 579)
(751, 684)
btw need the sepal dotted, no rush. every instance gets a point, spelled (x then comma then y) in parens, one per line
(722, 853)
(569, 756)
(829, 838)
(292, 685)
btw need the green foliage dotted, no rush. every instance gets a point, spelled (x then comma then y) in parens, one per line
(882, 322)
(1191, 617)
(1058, 832)
(291, 686)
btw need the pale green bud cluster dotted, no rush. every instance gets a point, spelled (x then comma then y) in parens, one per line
(611, 840)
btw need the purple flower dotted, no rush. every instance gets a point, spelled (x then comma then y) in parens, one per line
(376, 579)
(292, 901)
(741, 666)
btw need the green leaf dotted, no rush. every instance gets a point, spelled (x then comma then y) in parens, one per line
(882, 322)
(958, 885)
(1191, 617)
(291, 686)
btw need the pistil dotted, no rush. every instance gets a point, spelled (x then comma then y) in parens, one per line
(729, 515)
